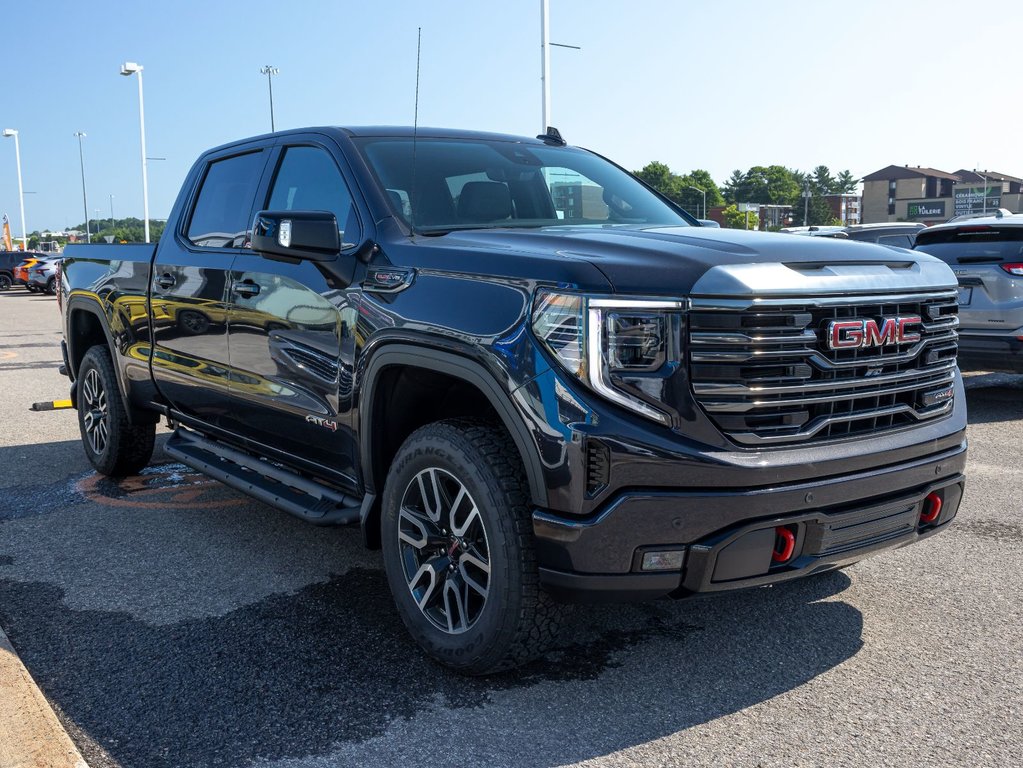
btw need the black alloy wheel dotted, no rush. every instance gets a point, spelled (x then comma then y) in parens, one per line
(459, 552)
(445, 555)
(113, 444)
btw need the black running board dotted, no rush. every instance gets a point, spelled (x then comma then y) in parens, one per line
(270, 483)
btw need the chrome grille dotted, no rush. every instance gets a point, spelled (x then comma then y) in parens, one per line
(763, 372)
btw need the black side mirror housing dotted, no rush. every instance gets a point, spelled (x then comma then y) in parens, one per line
(302, 235)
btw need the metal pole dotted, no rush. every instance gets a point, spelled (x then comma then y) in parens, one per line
(85, 198)
(21, 193)
(145, 166)
(545, 63)
(111, 213)
(270, 71)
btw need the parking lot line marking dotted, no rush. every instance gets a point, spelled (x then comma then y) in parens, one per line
(30, 733)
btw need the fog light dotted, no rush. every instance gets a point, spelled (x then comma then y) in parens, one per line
(663, 561)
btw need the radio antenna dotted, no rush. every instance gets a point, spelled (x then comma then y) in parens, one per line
(415, 131)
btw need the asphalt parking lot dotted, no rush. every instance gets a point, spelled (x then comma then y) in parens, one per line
(172, 622)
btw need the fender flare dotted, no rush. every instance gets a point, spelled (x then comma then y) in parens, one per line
(86, 303)
(458, 367)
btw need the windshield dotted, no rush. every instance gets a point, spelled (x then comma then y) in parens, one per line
(475, 183)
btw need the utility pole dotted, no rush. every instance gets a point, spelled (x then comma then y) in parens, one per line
(270, 71)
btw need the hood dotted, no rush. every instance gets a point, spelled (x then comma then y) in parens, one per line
(684, 261)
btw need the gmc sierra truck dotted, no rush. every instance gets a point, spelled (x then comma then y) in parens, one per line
(527, 376)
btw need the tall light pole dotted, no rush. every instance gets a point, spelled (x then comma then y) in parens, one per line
(704, 193)
(128, 69)
(8, 133)
(111, 213)
(545, 62)
(85, 198)
(270, 71)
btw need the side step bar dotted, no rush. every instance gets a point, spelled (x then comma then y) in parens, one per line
(269, 483)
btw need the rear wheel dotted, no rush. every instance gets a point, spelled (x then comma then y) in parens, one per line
(5, 282)
(459, 549)
(112, 444)
(51, 286)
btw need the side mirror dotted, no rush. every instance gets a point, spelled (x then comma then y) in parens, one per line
(307, 235)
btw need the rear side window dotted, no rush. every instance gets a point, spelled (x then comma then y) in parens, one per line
(973, 244)
(903, 241)
(220, 218)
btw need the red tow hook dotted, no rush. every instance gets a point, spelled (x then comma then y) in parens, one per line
(931, 510)
(784, 545)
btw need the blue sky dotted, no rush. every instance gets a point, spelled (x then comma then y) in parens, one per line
(697, 85)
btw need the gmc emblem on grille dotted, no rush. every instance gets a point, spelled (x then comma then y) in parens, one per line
(851, 334)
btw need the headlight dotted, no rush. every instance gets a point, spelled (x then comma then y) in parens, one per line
(601, 340)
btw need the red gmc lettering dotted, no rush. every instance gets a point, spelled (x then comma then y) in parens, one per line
(854, 337)
(849, 334)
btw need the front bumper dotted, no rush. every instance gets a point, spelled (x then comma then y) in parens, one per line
(728, 535)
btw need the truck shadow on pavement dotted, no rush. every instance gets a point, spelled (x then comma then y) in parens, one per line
(994, 397)
(329, 667)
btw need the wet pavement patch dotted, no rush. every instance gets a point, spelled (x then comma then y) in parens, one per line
(163, 486)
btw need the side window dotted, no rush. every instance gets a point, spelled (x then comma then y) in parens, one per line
(902, 241)
(220, 218)
(309, 180)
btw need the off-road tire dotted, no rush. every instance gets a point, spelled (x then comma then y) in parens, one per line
(122, 448)
(519, 619)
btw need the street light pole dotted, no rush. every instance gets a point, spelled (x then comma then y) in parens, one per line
(128, 69)
(8, 133)
(270, 71)
(704, 193)
(85, 199)
(111, 213)
(545, 63)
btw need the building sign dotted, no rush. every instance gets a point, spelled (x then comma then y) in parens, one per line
(934, 210)
(972, 199)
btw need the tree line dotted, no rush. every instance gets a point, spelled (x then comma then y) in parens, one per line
(765, 185)
(129, 230)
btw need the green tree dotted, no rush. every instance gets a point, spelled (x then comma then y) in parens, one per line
(733, 186)
(736, 219)
(660, 177)
(700, 179)
(845, 183)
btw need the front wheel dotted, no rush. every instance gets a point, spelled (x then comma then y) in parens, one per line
(5, 282)
(459, 549)
(113, 445)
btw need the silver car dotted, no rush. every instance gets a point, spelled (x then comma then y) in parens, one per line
(986, 254)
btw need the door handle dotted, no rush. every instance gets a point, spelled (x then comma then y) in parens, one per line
(245, 289)
(166, 280)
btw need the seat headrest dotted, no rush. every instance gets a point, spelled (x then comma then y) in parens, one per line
(484, 201)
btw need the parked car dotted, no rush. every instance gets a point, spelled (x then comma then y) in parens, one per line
(29, 259)
(9, 260)
(901, 234)
(986, 255)
(43, 276)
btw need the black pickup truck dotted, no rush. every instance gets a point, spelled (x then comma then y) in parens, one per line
(528, 377)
